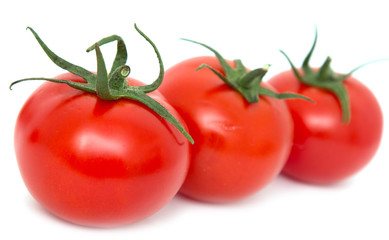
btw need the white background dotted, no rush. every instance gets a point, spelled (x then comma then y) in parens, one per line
(351, 32)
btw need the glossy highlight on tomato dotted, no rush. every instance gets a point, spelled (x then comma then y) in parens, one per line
(95, 162)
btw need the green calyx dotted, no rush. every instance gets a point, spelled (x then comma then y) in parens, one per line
(112, 85)
(325, 78)
(248, 84)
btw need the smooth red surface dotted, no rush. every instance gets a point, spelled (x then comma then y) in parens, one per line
(325, 150)
(239, 146)
(98, 163)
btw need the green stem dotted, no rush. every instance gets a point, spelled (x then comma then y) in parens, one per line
(121, 53)
(102, 83)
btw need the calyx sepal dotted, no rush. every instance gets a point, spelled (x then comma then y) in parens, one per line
(112, 85)
(325, 78)
(247, 83)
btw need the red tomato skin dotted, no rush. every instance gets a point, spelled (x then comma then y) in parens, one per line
(239, 146)
(98, 163)
(325, 150)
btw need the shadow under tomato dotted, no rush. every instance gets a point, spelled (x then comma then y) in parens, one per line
(181, 206)
(169, 211)
(336, 185)
(47, 215)
(280, 187)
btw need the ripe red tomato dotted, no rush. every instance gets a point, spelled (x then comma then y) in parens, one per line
(239, 146)
(325, 149)
(96, 162)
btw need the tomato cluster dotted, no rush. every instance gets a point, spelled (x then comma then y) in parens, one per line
(101, 149)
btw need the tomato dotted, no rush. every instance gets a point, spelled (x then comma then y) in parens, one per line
(336, 137)
(100, 149)
(325, 150)
(96, 162)
(239, 146)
